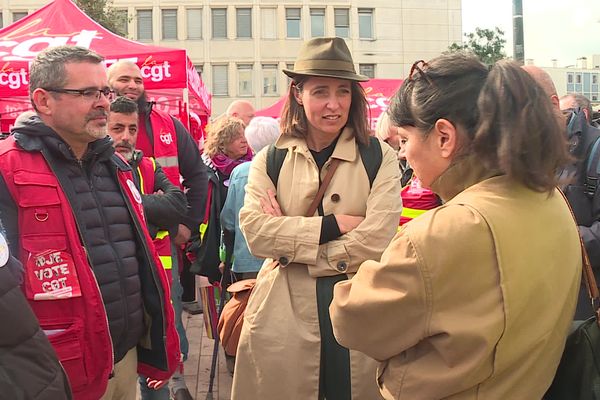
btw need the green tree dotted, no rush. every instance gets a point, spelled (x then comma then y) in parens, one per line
(103, 12)
(487, 44)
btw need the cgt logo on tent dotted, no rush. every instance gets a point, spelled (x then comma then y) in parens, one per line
(13, 79)
(154, 71)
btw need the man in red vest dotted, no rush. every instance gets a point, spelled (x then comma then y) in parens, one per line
(74, 217)
(166, 139)
(164, 203)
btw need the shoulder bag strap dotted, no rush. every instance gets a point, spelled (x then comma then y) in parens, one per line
(587, 272)
(319, 196)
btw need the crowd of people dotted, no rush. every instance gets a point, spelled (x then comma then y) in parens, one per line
(437, 257)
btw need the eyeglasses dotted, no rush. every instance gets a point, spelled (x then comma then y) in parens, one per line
(418, 66)
(87, 94)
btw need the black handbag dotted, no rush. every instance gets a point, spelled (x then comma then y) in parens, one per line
(578, 374)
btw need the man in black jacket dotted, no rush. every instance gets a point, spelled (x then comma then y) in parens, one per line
(164, 205)
(70, 210)
(583, 197)
(29, 368)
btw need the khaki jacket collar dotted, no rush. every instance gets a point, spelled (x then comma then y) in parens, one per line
(462, 174)
(344, 150)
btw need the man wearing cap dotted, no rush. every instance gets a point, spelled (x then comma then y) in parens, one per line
(287, 349)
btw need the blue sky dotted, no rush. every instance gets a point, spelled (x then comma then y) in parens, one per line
(561, 29)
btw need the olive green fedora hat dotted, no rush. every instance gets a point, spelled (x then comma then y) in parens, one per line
(328, 57)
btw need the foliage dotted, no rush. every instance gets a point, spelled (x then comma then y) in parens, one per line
(487, 44)
(103, 12)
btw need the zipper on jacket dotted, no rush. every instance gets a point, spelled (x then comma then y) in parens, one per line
(87, 256)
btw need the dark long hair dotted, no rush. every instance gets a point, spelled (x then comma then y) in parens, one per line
(507, 117)
(295, 123)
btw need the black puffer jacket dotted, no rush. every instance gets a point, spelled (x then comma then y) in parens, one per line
(586, 208)
(104, 223)
(29, 369)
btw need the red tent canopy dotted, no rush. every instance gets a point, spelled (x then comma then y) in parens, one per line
(378, 93)
(169, 75)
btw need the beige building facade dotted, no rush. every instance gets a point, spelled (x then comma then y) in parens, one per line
(241, 46)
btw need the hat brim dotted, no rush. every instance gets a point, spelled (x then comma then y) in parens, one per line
(328, 74)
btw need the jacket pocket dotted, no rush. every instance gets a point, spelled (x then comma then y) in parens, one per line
(67, 337)
(40, 204)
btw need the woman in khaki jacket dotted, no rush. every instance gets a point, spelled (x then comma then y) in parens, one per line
(287, 349)
(474, 299)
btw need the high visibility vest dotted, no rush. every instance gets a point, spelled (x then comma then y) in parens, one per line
(165, 145)
(416, 200)
(162, 242)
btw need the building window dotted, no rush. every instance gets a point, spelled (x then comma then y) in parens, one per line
(594, 79)
(367, 70)
(317, 22)
(144, 24)
(1, 21)
(123, 22)
(244, 22)
(219, 23)
(341, 19)
(578, 78)
(569, 78)
(292, 20)
(269, 79)
(365, 23)
(289, 66)
(220, 82)
(18, 15)
(194, 23)
(169, 24)
(594, 97)
(199, 69)
(268, 23)
(244, 79)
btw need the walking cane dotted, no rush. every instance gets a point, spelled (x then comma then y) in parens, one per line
(224, 284)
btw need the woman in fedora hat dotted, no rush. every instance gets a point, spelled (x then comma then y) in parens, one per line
(287, 349)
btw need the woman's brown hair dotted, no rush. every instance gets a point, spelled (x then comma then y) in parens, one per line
(221, 132)
(507, 117)
(294, 121)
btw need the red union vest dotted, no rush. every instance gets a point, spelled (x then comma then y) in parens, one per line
(165, 145)
(59, 282)
(416, 200)
(162, 243)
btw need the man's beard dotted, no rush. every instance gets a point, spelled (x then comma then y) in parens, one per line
(128, 155)
(98, 131)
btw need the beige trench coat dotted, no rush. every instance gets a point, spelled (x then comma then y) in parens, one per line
(474, 299)
(279, 351)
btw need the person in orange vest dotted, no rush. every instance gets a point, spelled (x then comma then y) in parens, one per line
(164, 203)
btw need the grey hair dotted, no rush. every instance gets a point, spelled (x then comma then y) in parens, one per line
(382, 129)
(261, 132)
(581, 101)
(48, 68)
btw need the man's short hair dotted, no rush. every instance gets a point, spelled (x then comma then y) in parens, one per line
(48, 68)
(123, 105)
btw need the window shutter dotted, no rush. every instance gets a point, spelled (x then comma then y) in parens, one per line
(144, 24)
(219, 22)
(169, 24)
(194, 23)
